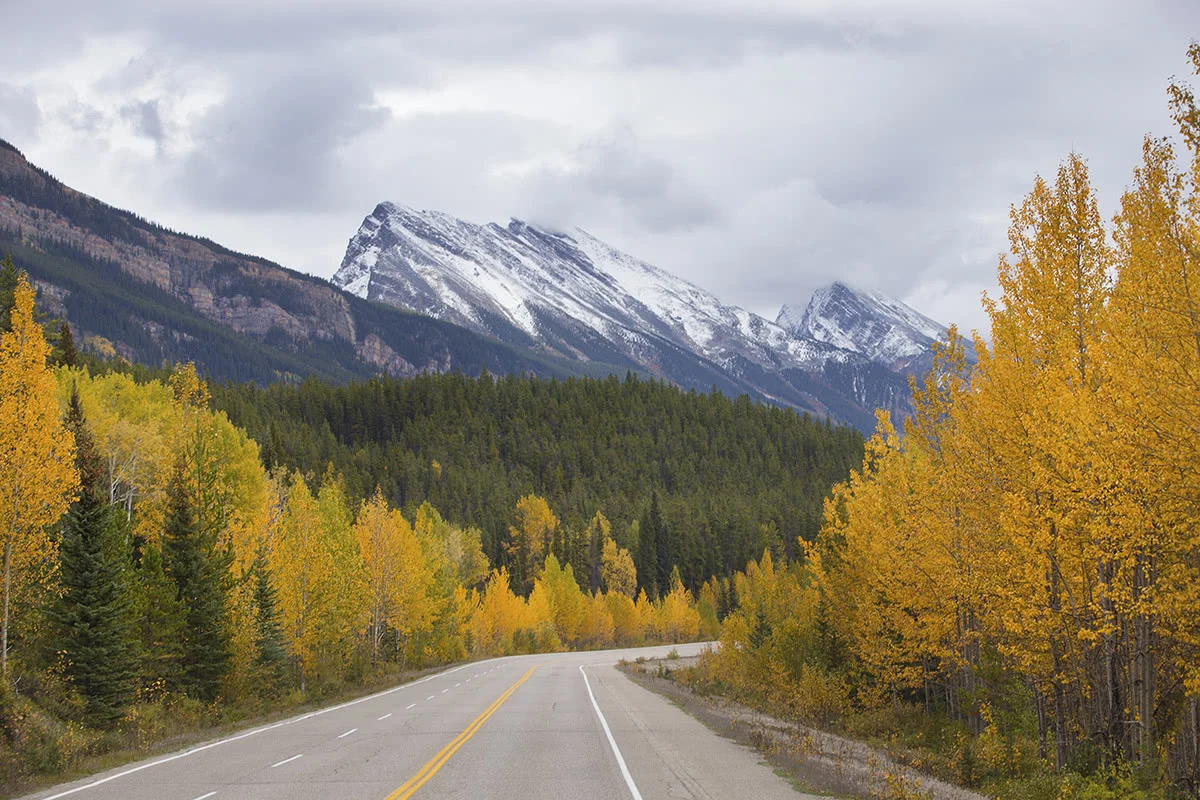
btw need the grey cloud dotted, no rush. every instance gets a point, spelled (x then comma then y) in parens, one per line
(797, 143)
(613, 175)
(145, 119)
(19, 112)
(275, 144)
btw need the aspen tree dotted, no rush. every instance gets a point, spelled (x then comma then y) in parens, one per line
(38, 480)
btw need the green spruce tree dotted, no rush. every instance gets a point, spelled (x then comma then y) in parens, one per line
(162, 623)
(94, 613)
(199, 569)
(272, 657)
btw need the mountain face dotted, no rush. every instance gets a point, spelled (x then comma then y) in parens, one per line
(155, 296)
(573, 296)
(882, 329)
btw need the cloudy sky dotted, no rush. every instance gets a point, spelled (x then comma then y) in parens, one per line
(759, 148)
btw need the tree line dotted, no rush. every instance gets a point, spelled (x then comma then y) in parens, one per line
(699, 481)
(159, 565)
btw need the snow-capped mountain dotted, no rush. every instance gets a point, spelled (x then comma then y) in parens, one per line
(570, 294)
(872, 324)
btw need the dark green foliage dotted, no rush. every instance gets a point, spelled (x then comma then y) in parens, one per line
(94, 612)
(722, 468)
(647, 550)
(65, 352)
(162, 621)
(199, 569)
(8, 285)
(268, 641)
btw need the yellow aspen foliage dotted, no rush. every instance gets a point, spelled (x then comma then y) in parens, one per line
(320, 580)
(398, 578)
(617, 570)
(530, 539)
(598, 628)
(624, 614)
(677, 618)
(38, 479)
(499, 614)
(567, 604)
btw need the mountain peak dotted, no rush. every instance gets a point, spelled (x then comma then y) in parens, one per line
(877, 326)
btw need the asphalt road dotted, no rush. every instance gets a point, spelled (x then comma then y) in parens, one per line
(562, 726)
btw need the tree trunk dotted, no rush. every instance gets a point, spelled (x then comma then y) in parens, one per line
(1143, 687)
(1060, 697)
(4, 625)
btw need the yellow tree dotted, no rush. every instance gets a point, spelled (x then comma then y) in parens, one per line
(530, 540)
(385, 542)
(617, 570)
(567, 603)
(320, 579)
(1033, 399)
(38, 480)
(1154, 349)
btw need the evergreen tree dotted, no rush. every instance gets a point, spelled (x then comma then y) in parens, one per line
(65, 352)
(268, 640)
(94, 611)
(9, 276)
(647, 553)
(162, 622)
(199, 569)
(664, 549)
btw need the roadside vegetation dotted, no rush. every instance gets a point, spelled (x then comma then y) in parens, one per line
(159, 580)
(1008, 595)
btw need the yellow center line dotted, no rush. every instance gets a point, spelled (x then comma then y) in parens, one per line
(437, 762)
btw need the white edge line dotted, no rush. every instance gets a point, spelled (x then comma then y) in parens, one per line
(347, 733)
(254, 732)
(633, 790)
(287, 760)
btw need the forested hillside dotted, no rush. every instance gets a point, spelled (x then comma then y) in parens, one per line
(731, 476)
(158, 577)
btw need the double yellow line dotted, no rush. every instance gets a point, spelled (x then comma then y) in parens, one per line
(437, 762)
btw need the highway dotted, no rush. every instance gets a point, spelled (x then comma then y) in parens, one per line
(563, 725)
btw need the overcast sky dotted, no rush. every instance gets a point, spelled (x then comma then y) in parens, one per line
(759, 148)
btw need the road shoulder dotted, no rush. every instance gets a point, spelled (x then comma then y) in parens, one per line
(672, 754)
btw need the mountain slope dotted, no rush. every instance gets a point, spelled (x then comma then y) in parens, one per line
(574, 296)
(155, 296)
(881, 328)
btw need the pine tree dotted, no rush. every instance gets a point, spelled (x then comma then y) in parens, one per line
(271, 655)
(9, 277)
(65, 352)
(664, 548)
(93, 613)
(647, 554)
(199, 569)
(163, 619)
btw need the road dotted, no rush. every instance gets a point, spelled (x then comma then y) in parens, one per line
(564, 725)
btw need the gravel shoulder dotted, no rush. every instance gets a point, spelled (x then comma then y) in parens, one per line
(816, 761)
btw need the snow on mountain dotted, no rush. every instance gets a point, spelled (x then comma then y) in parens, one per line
(879, 327)
(521, 277)
(571, 294)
